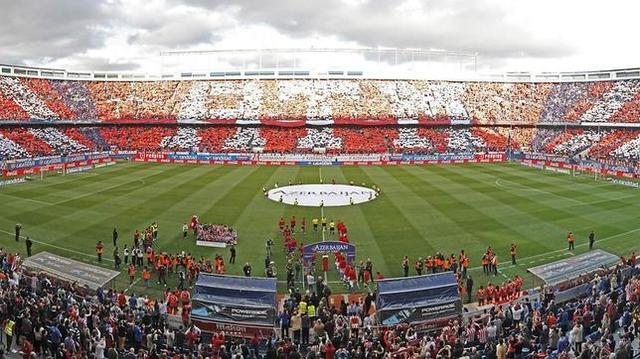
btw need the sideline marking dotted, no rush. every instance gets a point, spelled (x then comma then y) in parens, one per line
(12, 234)
(546, 255)
(27, 199)
(132, 284)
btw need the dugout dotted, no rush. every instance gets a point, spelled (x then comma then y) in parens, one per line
(427, 302)
(239, 306)
(569, 278)
(72, 271)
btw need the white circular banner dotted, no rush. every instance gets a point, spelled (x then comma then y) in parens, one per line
(328, 195)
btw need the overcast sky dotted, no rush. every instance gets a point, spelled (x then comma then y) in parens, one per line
(508, 35)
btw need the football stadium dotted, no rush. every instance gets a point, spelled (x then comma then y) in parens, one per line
(265, 209)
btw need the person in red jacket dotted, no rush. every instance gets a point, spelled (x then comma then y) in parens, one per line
(329, 350)
(27, 349)
(122, 300)
(366, 276)
(172, 302)
(185, 297)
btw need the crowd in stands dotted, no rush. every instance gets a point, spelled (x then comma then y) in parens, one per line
(561, 98)
(244, 140)
(26, 141)
(629, 151)
(409, 140)
(136, 138)
(323, 138)
(339, 100)
(9, 149)
(45, 317)
(366, 139)
(281, 140)
(601, 144)
(58, 141)
(612, 101)
(185, 139)
(217, 233)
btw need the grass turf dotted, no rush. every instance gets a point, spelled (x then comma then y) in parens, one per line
(423, 209)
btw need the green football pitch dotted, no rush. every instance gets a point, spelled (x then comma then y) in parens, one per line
(422, 210)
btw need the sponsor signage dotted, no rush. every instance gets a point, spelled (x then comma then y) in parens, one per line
(317, 195)
(234, 329)
(329, 247)
(13, 181)
(79, 169)
(232, 313)
(52, 160)
(426, 302)
(423, 318)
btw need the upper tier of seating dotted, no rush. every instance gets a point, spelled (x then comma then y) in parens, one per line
(312, 101)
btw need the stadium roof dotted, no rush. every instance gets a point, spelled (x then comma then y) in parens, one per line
(261, 72)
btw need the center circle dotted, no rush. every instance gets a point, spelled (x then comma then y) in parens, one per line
(327, 195)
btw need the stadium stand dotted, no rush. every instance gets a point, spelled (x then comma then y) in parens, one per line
(30, 143)
(354, 116)
(212, 139)
(45, 317)
(598, 144)
(46, 117)
(9, 149)
(356, 102)
(136, 138)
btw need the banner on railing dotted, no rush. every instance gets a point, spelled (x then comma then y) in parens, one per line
(33, 166)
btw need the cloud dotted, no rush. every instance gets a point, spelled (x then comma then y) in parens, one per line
(129, 34)
(46, 29)
(172, 26)
(480, 26)
(93, 63)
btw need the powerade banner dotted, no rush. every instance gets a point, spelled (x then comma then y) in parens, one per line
(241, 306)
(424, 318)
(427, 301)
(329, 247)
(233, 313)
